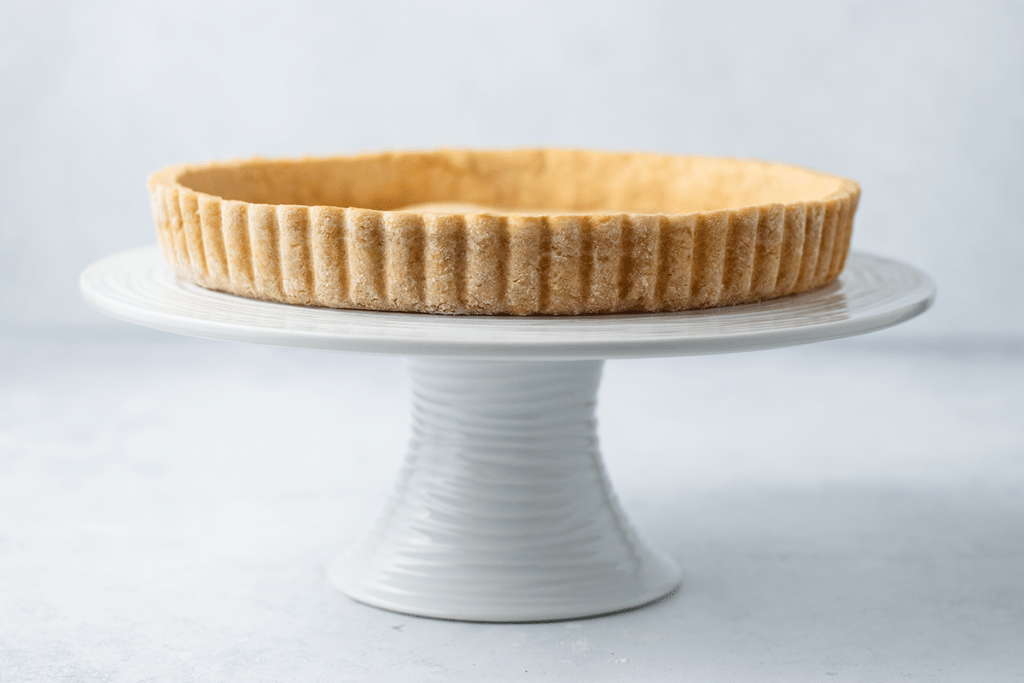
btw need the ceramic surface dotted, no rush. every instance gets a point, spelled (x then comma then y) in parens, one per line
(503, 511)
(871, 294)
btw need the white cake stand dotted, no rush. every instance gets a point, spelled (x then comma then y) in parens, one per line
(503, 511)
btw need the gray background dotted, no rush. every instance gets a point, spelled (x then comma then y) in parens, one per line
(921, 102)
(846, 511)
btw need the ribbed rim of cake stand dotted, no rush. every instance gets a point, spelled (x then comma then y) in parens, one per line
(871, 294)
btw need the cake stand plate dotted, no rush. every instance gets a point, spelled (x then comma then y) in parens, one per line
(503, 511)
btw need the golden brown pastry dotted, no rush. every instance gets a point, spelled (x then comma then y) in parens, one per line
(538, 231)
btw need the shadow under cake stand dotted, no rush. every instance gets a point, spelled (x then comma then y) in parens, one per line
(503, 511)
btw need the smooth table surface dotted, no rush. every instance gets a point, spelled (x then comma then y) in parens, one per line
(872, 293)
(168, 506)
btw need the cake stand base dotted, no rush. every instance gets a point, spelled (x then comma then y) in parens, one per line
(503, 511)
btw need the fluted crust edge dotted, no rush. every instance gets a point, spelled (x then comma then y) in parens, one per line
(496, 263)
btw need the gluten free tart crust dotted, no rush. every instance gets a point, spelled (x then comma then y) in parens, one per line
(504, 232)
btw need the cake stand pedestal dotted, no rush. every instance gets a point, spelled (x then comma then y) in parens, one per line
(503, 511)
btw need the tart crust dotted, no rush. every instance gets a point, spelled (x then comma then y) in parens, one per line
(505, 232)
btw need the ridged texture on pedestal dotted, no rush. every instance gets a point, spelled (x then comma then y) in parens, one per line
(504, 512)
(579, 232)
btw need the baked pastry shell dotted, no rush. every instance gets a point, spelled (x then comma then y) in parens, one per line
(612, 232)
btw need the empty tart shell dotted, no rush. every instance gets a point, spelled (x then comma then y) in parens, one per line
(519, 232)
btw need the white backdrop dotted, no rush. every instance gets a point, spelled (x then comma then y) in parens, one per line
(921, 102)
(167, 506)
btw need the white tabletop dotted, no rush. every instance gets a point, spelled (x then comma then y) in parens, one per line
(852, 510)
